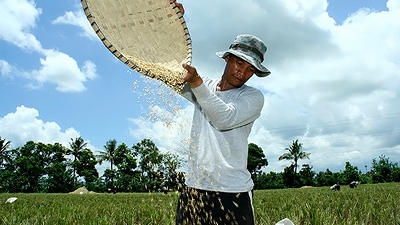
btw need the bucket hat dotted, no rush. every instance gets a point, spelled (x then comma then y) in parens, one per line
(251, 49)
(150, 37)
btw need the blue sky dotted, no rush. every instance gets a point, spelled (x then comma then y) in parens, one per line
(340, 10)
(334, 83)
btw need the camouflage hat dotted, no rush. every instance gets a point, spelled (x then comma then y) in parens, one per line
(251, 49)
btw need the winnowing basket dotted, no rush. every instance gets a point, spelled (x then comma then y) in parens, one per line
(149, 36)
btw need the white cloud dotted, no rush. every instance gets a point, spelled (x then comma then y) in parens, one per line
(20, 17)
(77, 18)
(393, 5)
(24, 125)
(5, 68)
(333, 87)
(62, 70)
(57, 68)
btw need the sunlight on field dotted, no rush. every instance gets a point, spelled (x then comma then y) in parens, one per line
(367, 204)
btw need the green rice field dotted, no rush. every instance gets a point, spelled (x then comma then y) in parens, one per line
(366, 204)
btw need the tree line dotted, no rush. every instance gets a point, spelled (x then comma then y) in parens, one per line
(382, 171)
(54, 168)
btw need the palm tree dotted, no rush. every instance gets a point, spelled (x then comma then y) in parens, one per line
(108, 155)
(294, 153)
(77, 146)
(4, 145)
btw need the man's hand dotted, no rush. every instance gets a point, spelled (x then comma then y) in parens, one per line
(191, 76)
(179, 5)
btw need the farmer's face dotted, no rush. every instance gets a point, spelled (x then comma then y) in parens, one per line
(237, 71)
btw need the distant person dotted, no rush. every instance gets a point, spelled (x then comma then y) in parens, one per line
(335, 187)
(353, 184)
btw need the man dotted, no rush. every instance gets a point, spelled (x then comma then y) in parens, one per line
(218, 185)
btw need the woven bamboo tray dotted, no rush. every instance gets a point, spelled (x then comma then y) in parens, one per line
(149, 36)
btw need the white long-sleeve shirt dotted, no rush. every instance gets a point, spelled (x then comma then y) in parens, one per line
(222, 122)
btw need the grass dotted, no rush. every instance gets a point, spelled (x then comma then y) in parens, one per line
(122, 208)
(367, 204)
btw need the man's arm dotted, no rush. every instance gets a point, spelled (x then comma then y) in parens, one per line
(232, 114)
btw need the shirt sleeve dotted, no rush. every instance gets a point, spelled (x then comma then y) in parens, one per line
(243, 108)
(188, 94)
